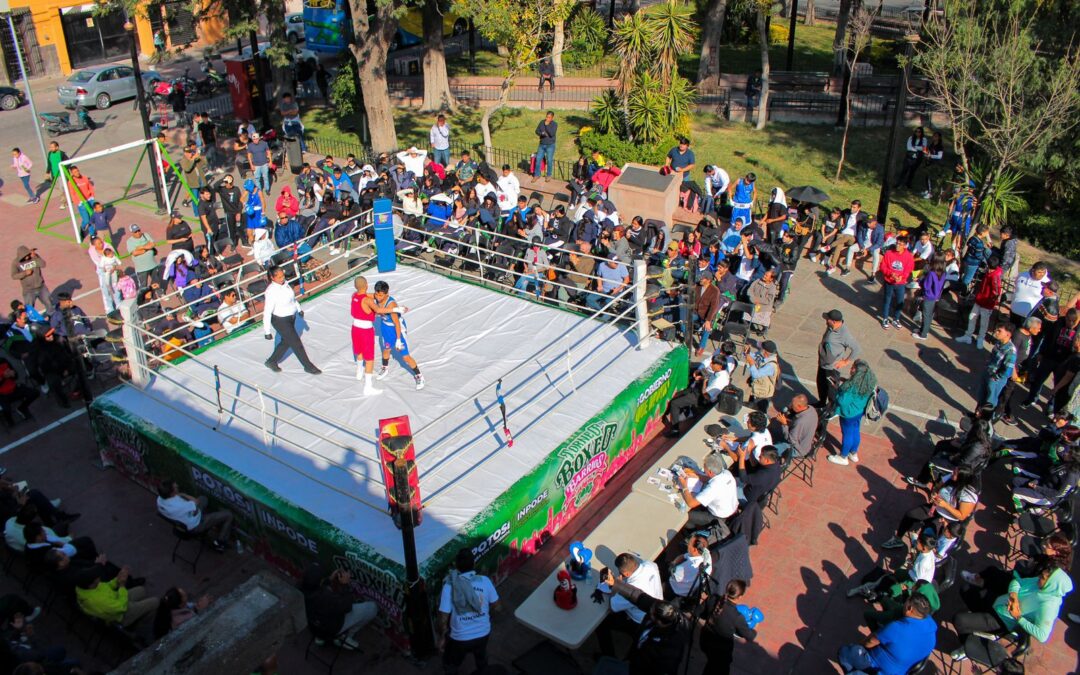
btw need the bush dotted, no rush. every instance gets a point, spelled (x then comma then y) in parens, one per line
(620, 152)
(586, 27)
(778, 33)
(1055, 231)
(580, 56)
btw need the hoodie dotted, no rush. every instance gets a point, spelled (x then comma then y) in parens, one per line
(27, 272)
(1038, 606)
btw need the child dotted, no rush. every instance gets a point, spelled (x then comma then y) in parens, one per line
(109, 265)
(921, 568)
(98, 222)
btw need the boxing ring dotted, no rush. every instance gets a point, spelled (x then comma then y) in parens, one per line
(294, 456)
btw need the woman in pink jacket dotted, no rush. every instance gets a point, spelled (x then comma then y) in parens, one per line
(22, 166)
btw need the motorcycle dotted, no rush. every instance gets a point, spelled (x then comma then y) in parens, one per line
(60, 123)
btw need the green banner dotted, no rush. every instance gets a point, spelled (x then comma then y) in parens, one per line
(503, 535)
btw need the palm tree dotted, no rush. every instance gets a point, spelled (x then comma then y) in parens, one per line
(672, 34)
(630, 42)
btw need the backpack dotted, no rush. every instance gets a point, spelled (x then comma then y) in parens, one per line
(878, 405)
(125, 285)
(765, 387)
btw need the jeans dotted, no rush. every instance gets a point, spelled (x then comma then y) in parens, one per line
(109, 295)
(86, 209)
(855, 658)
(969, 273)
(596, 301)
(894, 301)
(990, 390)
(850, 435)
(875, 258)
(26, 186)
(704, 341)
(262, 177)
(544, 153)
(927, 316)
(981, 317)
(441, 156)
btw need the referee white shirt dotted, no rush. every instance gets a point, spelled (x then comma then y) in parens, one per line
(280, 300)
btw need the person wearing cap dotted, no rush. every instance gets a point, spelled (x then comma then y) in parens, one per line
(258, 155)
(143, 254)
(232, 204)
(837, 350)
(614, 277)
(66, 310)
(1048, 308)
(763, 374)
(178, 233)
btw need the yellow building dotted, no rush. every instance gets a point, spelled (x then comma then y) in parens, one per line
(59, 36)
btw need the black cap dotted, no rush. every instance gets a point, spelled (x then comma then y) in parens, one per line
(176, 214)
(833, 315)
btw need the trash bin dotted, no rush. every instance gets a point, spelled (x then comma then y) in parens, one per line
(295, 156)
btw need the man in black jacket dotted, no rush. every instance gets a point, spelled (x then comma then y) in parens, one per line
(761, 481)
(789, 254)
(331, 612)
(232, 203)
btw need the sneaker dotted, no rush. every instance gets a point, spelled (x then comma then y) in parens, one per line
(1025, 404)
(915, 482)
(941, 235)
(886, 324)
(844, 273)
(895, 542)
(1009, 419)
(917, 335)
(853, 457)
(348, 642)
(971, 578)
(829, 270)
(837, 459)
(334, 250)
(383, 372)
(217, 546)
(966, 340)
(419, 382)
(895, 323)
(862, 590)
(958, 654)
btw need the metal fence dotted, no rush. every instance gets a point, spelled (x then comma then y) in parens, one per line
(496, 157)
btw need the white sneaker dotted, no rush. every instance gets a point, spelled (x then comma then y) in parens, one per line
(369, 387)
(941, 235)
(419, 382)
(334, 250)
(383, 372)
(964, 339)
(837, 459)
(917, 335)
(853, 457)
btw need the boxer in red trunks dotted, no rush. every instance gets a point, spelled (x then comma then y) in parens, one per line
(364, 309)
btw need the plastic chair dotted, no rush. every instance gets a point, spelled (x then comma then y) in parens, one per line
(182, 534)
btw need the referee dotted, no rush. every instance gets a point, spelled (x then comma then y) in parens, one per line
(280, 310)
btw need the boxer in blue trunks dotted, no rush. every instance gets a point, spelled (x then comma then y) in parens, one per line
(392, 334)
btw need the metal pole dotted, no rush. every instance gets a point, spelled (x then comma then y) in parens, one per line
(144, 116)
(418, 609)
(888, 175)
(26, 83)
(791, 34)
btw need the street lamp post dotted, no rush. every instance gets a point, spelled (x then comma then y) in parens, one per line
(5, 8)
(889, 172)
(144, 115)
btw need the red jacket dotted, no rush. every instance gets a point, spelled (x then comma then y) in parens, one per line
(896, 267)
(989, 292)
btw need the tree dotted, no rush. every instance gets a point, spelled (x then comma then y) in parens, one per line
(562, 11)
(763, 9)
(1005, 98)
(437, 94)
(519, 27)
(809, 19)
(859, 25)
(370, 48)
(709, 65)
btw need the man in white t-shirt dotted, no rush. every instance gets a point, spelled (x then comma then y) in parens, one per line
(716, 497)
(685, 568)
(465, 614)
(191, 513)
(626, 617)
(1028, 292)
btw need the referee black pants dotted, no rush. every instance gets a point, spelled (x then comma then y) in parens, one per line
(290, 339)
